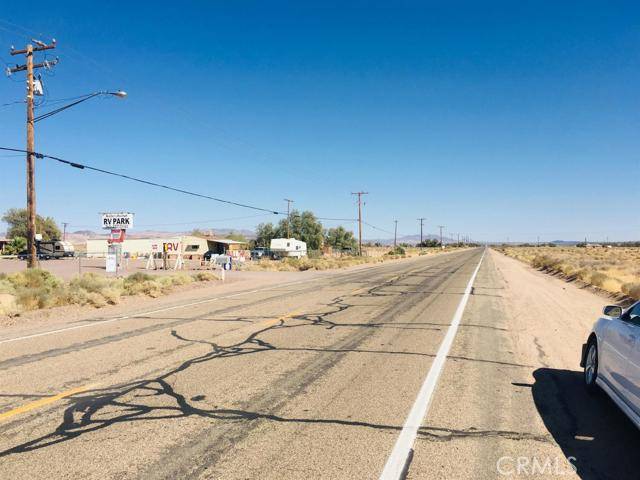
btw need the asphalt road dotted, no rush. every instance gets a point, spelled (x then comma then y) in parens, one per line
(311, 379)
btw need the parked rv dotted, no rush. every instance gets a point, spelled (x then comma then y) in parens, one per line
(50, 249)
(288, 247)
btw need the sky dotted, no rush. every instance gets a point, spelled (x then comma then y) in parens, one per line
(499, 120)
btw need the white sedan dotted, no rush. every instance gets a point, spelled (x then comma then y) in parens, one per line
(611, 358)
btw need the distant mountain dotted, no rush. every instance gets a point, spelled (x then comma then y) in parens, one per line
(411, 239)
(565, 242)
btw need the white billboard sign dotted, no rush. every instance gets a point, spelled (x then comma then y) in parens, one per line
(121, 220)
(111, 263)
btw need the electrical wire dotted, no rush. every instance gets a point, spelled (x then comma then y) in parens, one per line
(195, 222)
(337, 219)
(12, 103)
(378, 228)
(82, 166)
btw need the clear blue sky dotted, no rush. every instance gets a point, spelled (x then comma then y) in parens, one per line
(496, 119)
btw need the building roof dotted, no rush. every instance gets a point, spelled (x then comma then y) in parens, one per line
(226, 241)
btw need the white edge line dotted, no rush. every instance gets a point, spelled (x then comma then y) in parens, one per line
(394, 468)
(174, 307)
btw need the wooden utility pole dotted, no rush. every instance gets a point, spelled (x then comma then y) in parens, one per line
(395, 234)
(421, 220)
(31, 165)
(289, 202)
(441, 227)
(359, 194)
(64, 230)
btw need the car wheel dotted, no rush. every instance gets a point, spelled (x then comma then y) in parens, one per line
(591, 367)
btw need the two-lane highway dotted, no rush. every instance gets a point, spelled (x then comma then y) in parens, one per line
(322, 378)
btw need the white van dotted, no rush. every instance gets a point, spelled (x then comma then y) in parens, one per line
(288, 247)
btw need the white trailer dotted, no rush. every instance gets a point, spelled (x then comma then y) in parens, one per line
(288, 247)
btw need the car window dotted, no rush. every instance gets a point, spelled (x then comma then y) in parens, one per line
(634, 313)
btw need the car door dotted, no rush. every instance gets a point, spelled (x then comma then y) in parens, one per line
(632, 373)
(617, 345)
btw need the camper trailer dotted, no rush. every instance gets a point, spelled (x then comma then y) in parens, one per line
(288, 247)
(47, 250)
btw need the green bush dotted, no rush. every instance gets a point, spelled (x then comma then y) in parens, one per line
(398, 250)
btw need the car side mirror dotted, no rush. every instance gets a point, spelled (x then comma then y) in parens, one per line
(614, 311)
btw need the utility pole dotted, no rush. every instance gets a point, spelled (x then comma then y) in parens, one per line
(395, 234)
(458, 239)
(421, 220)
(64, 230)
(359, 194)
(441, 227)
(31, 167)
(289, 202)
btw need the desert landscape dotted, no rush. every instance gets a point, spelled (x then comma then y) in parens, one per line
(615, 270)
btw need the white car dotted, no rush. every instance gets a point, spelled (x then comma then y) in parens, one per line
(611, 358)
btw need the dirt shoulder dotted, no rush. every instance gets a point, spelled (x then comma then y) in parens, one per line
(551, 317)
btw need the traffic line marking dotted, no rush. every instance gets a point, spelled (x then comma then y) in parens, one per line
(396, 465)
(42, 402)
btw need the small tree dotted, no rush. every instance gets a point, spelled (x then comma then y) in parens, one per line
(17, 245)
(303, 226)
(429, 243)
(265, 232)
(17, 219)
(340, 239)
(237, 236)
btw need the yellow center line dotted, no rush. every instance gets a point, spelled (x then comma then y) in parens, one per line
(43, 401)
(275, 321)
(54, 398)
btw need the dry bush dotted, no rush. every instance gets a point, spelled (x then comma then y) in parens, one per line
(205, 276)
(35, 289)
(632, 290)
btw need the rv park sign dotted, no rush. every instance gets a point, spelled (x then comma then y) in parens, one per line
(120, 220)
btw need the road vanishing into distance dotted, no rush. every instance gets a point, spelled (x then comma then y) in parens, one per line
(358, 374)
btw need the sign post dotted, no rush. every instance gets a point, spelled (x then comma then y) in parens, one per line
(117, 223)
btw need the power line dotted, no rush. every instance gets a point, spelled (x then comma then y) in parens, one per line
(377, 228)
(82, 166)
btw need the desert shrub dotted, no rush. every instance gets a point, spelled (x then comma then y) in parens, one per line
(5, 285)
(397, 251)
(545, 262)
(34, 288)
(631, 289)
(91, 282)
(138, 277)
(204, 276)
(598, 279)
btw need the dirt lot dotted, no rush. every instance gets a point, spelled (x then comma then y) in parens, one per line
(69, 268)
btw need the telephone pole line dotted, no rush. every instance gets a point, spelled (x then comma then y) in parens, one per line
(395, 234)
(441, 227)
(64, 230)
(421, 220)
(29, 67)
(359, 194)
(289, 202)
